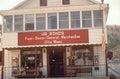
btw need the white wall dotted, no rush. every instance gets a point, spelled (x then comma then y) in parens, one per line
(95, 36)
(101, 62)
(44, 68)
(9, 40)
(8, 55)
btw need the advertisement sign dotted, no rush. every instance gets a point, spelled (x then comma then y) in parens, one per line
(53, 37)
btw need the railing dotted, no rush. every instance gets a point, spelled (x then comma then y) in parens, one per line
(113, 73)
(77, 71)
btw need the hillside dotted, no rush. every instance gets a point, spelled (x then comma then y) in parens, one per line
(114, 40)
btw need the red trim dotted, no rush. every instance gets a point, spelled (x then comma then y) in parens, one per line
(71, 61)
(2, 64)
(35, 62)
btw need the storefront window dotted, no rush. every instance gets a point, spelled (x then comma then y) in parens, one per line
(82, 57)
(40, 22)
(75, 19)
(29, 22)
(98, 18)
(18, 19)
(86, 19)
(8, 23)
(52, 21)
(28, 59)
(63, 20)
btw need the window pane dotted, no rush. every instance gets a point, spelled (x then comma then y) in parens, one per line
(98, 18)
(52, 21)
(43, 2)
(98, 22)
(8, 24)
(98, 14)
(86, 19)
(75, 19)
(29, 22)
(63, 20)
(86, 23)
(18, 23)
(66, 1)
(86, 14)
(40, 21)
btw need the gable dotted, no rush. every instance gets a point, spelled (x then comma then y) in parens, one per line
(35, 4)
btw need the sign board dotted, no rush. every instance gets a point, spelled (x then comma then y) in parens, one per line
(53, 37)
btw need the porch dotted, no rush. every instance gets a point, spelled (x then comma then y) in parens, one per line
(72, 78)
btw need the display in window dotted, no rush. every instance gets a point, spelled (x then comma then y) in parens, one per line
(82, 58)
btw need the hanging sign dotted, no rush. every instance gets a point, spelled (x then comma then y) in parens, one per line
(53, 37)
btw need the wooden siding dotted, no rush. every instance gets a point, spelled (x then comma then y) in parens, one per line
(33, 4)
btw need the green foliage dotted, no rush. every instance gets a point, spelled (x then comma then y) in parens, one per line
(112, 41)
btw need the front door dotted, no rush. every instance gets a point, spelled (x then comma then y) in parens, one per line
(56, 64)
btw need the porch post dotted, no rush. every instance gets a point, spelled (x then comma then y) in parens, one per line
(35, 62)
(71, 61)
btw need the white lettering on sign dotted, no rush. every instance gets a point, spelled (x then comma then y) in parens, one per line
(56, 33)
(70, 37)
(29, 38)
(47, 42)
(43, 33)
(39, 38)
(56, 41)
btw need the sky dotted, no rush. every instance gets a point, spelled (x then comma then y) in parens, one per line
(113, 16)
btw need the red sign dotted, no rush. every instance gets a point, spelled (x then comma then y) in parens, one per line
(53, 37)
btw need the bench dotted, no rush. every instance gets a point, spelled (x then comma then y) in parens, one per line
(84, 70)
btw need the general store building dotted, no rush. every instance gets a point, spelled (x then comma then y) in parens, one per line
(54, 38)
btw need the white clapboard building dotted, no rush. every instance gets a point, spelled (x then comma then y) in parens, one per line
(54, 38)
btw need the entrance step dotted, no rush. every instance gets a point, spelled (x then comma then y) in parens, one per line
(71, 78)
